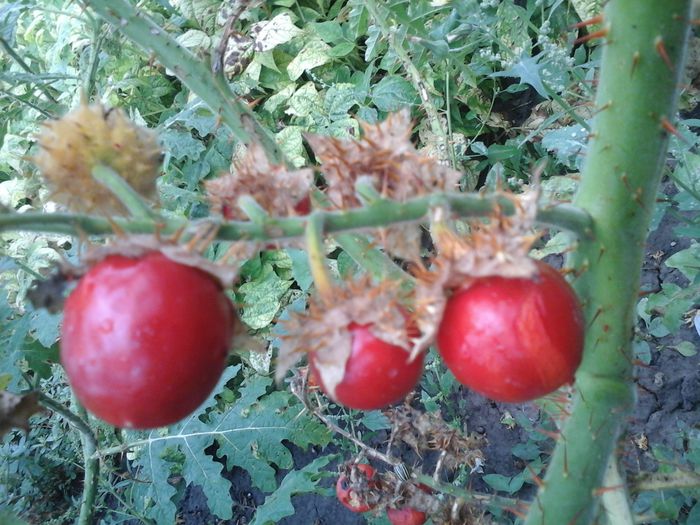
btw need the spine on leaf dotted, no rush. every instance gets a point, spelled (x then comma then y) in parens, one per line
(637, 97)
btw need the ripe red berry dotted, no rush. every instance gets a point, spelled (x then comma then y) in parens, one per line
(377, 373)
(405, 516)
(347, 493)
(144, 340)
(513, 339)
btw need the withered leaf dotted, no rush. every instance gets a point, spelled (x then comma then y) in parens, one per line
(15, 410)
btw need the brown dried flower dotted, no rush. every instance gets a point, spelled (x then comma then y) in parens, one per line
(386, 156)
(277, 189)
(323, 328)
(90, 135)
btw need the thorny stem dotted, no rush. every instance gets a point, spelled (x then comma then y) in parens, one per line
(637, 90)
(380, 213)
(92, 465)
(380, 18)
(466, 495)
(193, 72)
(132, 201)
(317, 255)
(658, 481)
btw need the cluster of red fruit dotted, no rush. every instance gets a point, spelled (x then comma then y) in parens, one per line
(353, 496)
(132, 323)
(510, 339)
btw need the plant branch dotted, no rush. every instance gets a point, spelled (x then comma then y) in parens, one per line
(637, 95)
(192, 71)
(89, 442)
(132, 201)
(380, 213)
(679, 479)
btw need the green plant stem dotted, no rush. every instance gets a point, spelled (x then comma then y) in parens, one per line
(636, 91)
(91, 477)
(380, 18)
(467, 495)
(252, 209)
(317, 255)
(660, 481)
(616, 508)
(92, 465)
(380, 213)
(20, 61)
(195, 73)
(132, 201)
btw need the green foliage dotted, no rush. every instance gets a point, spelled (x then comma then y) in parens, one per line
(465, 69)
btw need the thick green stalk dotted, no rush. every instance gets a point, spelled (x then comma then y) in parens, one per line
(378, 214)
(195, 73)
(637, 95)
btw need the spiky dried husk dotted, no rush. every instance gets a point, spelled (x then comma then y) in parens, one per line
(91, 135)
(498, 247)
(323, 328)
(277, 189)
(425, 431)
(386, 155)
(135, 246)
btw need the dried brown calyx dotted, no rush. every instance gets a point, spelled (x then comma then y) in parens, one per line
(496, 247)
(385, 155)
(91, 135)
(424, 431)
(323, 328)
(277, 189)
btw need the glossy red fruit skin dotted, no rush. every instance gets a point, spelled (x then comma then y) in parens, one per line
(144, 340)
(405, 516)
(377, 374)
(513, 340)
(344, 492)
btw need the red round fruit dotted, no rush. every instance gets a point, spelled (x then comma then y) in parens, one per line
(513, 339)
(405, 516)
(144, 340)
(348, 496)
(303, 207)
(377, 373)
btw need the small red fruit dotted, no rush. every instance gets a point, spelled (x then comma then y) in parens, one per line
(513, 339)
(144, 340)
(377, 373)
(303, 207)
(349, 496)
(405, 516)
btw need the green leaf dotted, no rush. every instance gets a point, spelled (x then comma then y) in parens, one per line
(279, 504)
(568, 145)
(277, 31)
(329, 31)
(181, 144)
(687, 261)
(339, 99)
(305, 101)
(9, 14)
(312, 55)
(686, 349)
(300, 268)
(291, 142)
(528, 71)
(374, 420)
(261, 299)
(393, 93)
